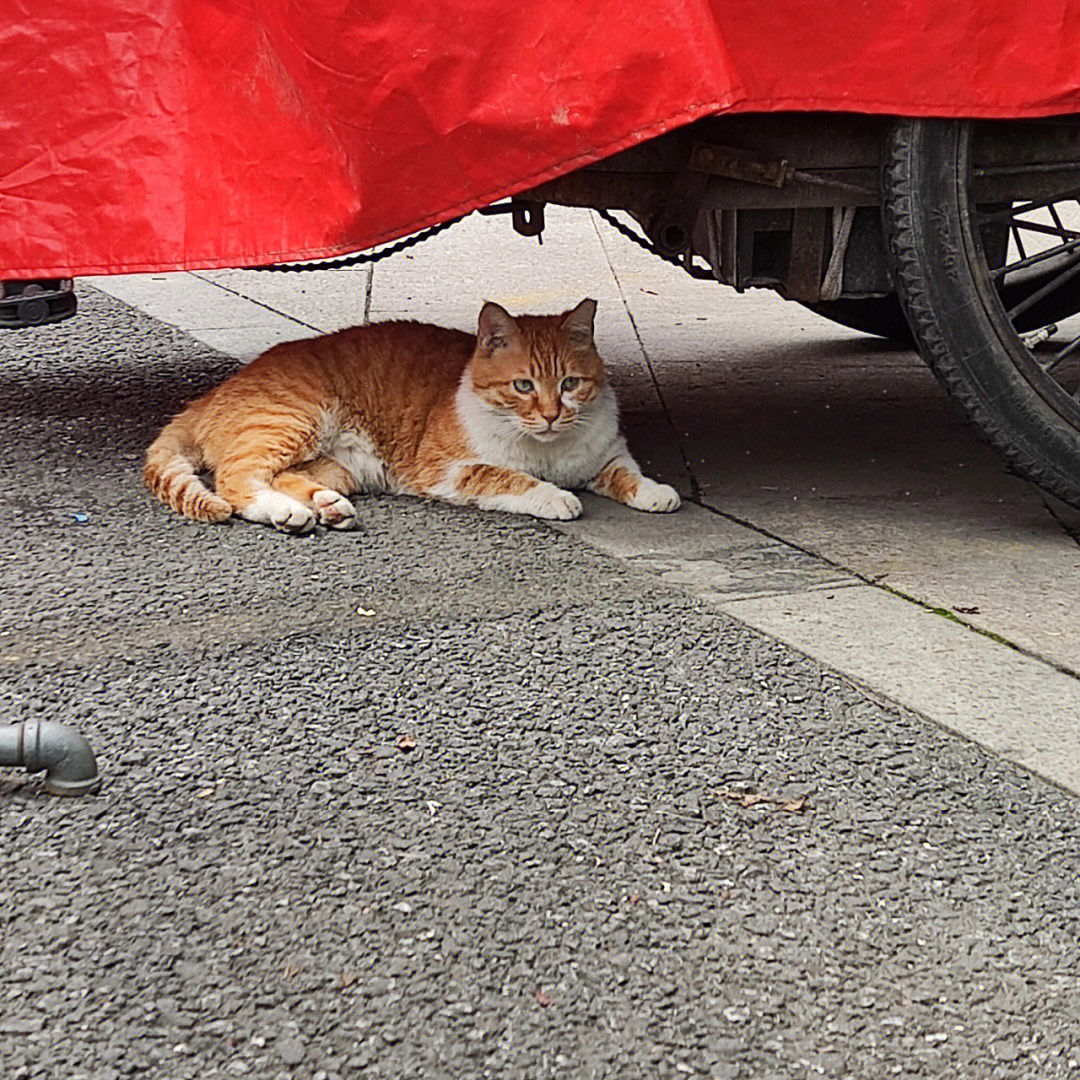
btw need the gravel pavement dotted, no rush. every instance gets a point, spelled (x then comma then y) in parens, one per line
(457, 796)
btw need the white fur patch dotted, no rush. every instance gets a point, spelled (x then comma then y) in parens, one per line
(270, 507)
(548, 501)
(655, 498)
(356, 451)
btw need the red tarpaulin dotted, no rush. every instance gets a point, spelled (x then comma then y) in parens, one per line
(139, 135)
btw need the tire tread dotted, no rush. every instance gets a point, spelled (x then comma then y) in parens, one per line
(913, 288)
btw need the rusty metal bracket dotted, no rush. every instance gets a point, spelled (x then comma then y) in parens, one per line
(735, 164)
(738, 165)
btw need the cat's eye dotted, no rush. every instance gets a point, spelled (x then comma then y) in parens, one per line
(571, 382)
(523, 386)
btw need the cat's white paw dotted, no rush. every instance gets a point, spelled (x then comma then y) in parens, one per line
(334, 510)
(295, 519)
(655, 498)
(285, 513)
(551, 502)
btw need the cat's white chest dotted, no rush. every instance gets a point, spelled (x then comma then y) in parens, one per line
(570, 461)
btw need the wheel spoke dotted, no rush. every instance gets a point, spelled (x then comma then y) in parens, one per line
(1024, 208)
(1018, 242)
(1060, 355)
(1047, 230)
(1032, 260)
(1055, 282)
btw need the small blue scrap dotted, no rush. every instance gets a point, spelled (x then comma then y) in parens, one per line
(81, 517)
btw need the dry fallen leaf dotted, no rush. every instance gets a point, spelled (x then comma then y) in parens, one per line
(406, 742)
(290, 971)
(346, 979)
(541, 997)
(750, 798)
(753, 798)
(744, 798)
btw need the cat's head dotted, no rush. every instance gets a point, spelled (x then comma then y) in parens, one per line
(539, 373)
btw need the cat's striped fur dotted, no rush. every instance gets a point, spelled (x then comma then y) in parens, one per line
(512, 419)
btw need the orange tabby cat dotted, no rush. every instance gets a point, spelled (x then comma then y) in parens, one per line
(511, 419)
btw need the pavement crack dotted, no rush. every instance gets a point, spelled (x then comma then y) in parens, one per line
(369, 288)
(692, 480)
(258, 303)
(877, 581)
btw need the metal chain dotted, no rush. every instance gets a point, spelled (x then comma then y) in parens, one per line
(636, 238)
(364, 257)
(643, 243)
(368, 257)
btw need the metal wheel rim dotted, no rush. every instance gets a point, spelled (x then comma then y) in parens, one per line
(1037, 362)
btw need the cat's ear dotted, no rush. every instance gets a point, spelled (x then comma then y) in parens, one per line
(577, 325)
(496, 327)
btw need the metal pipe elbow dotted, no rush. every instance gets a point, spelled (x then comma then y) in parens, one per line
(69, 763)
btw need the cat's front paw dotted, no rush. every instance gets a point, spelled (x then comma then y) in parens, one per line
(334, 510)
(551, 502)
(655, 498)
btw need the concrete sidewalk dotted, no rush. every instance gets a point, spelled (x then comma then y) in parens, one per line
(838, 501)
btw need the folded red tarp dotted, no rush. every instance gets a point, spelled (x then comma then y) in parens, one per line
(139, 135)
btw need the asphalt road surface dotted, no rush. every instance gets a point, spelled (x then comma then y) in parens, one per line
(456, 796)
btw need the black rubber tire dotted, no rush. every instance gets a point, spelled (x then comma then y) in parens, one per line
(956, 315)
(881, 316)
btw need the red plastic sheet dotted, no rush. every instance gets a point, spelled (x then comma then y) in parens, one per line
(139, 135)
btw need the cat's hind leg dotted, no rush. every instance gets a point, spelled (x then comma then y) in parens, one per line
(250, 489)
(321, 484)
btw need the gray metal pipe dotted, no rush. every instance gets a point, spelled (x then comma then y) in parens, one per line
(66, 757)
